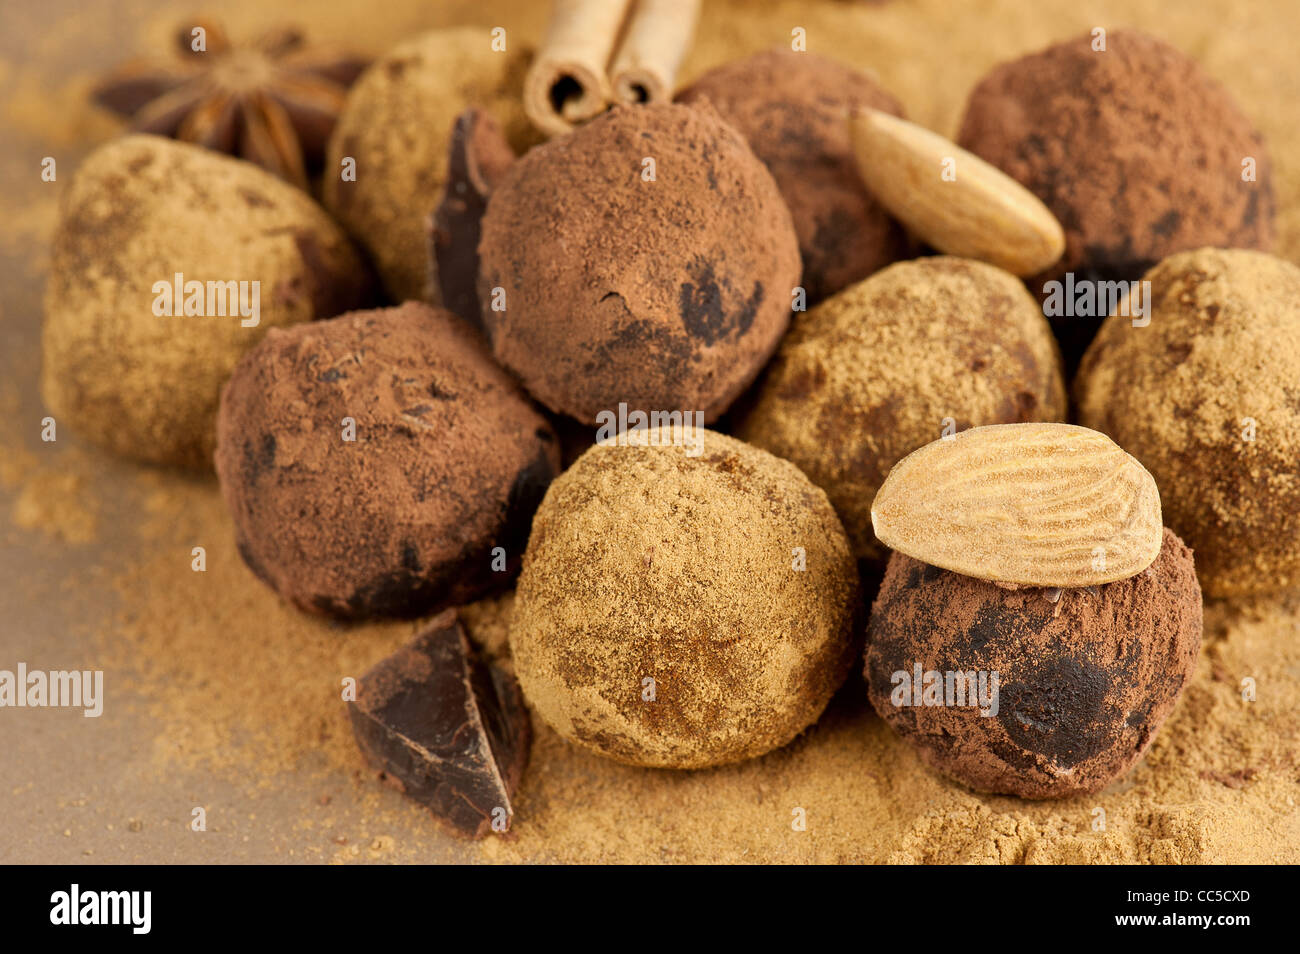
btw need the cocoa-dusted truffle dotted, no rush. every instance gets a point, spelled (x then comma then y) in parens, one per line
(396, 126)
(1136, 150)
(169, 263)
(1085, 677)
(682, 609)
(372, 463)
(793, 108)
(923, 348)
(645, 258)
(1205, 391)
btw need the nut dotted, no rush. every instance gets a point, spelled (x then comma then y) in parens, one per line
(1029, 504)
(977, 212)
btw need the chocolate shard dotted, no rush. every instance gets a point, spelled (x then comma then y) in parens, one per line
(446, 728)
(479, 157)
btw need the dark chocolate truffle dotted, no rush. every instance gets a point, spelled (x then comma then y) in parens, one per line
(1136, 150)
(793, 108)
(1085, 677)
(373, 462)
(1205, 392)
(645, 258)
(683, 606)
(894, 362)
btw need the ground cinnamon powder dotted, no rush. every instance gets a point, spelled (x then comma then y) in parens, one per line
(239, 682)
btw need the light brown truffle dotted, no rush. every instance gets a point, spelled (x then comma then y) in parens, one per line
(398, 513)
(646, 563)
(142, 210)
(888, 364)
(792, 108)
(603, 283)
(397, 124)
(1085, 677)
(1207, 396)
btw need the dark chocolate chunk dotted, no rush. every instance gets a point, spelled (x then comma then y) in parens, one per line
(480, 156)
(446, 728)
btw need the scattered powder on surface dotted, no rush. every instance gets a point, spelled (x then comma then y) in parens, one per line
(55, 498)
(240, 683)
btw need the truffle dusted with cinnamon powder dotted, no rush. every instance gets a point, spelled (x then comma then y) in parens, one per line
(1136, 150)
(923, 348)
(792, 108)
(169, 263)
(646, 258)
(373, 463)
(680, 609)
(396, 126)
(1205, 392)
(1032, 692)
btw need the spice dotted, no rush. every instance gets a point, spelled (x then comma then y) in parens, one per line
(272, 101)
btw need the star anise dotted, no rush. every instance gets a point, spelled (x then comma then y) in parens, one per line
(271, 101)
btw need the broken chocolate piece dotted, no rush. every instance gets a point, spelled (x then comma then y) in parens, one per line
(480, 156)
(447, 729)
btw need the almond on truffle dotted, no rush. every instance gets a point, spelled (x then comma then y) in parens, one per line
(1029, 504)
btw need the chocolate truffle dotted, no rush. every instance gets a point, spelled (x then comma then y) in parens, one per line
(1207, 396)
(683, 606)
(169, 263)
(792, 108)
(1085, 677)
(920, 349)
(397, 125)
(373, 463)
(1135, 149)
(645, 258)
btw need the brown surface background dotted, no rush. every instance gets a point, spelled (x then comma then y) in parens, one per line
(218, 696)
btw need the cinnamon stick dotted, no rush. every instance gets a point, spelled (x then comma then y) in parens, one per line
(654, 44)
(567, 82)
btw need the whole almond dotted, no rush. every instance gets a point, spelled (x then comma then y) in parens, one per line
(1031, 504)
(980, 212)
